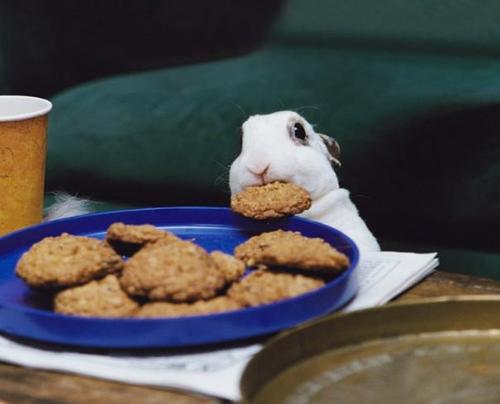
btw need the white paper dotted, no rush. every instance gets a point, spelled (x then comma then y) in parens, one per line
(382, 276)
(215, 373)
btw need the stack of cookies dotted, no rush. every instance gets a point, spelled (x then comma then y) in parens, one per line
(165, 276)
(91, 277)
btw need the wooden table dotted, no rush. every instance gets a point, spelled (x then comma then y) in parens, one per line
(20, 385)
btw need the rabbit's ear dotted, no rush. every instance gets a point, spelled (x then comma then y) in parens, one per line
(333, 148)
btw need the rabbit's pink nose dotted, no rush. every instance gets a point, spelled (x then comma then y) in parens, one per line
(259, 172)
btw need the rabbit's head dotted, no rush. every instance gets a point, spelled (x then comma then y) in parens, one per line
(283, 146)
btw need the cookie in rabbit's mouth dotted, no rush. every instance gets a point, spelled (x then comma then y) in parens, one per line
(272, 200)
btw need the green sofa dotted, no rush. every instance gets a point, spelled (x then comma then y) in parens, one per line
(411, 92)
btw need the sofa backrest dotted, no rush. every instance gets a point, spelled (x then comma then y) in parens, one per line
(446, 25)
(47, 46)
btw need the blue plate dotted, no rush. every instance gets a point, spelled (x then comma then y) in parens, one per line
(26, 313)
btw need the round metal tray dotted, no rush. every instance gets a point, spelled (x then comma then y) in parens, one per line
(444, 350)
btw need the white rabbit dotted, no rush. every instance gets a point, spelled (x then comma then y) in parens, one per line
(283, 146)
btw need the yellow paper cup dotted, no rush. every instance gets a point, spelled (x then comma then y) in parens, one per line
(23, 145)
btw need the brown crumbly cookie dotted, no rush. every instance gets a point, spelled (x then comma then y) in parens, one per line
(103, 298)
(272, 200)
(263, 287)
(165, 309)
(178, 272)
(291, 249)
(232, 268)
(67, 260)
(127, 239)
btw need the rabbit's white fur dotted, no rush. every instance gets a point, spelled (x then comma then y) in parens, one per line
(66, 205)
(270, 153)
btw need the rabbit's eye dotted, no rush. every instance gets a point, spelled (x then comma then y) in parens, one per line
(299, 132)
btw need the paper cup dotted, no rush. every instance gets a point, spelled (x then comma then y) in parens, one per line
(23, 146)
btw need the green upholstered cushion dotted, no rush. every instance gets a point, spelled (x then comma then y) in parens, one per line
(418, 134)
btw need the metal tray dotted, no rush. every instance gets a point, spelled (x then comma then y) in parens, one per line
(444, 350)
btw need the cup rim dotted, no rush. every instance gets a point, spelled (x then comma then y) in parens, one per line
(44, 108)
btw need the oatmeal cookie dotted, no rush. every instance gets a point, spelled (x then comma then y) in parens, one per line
(103, 298)
(67, 260)
(232, 268)
(272, 200)
(263, 287)
(127, 239)
(291, 249)
(165, 309)
(178, 272)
